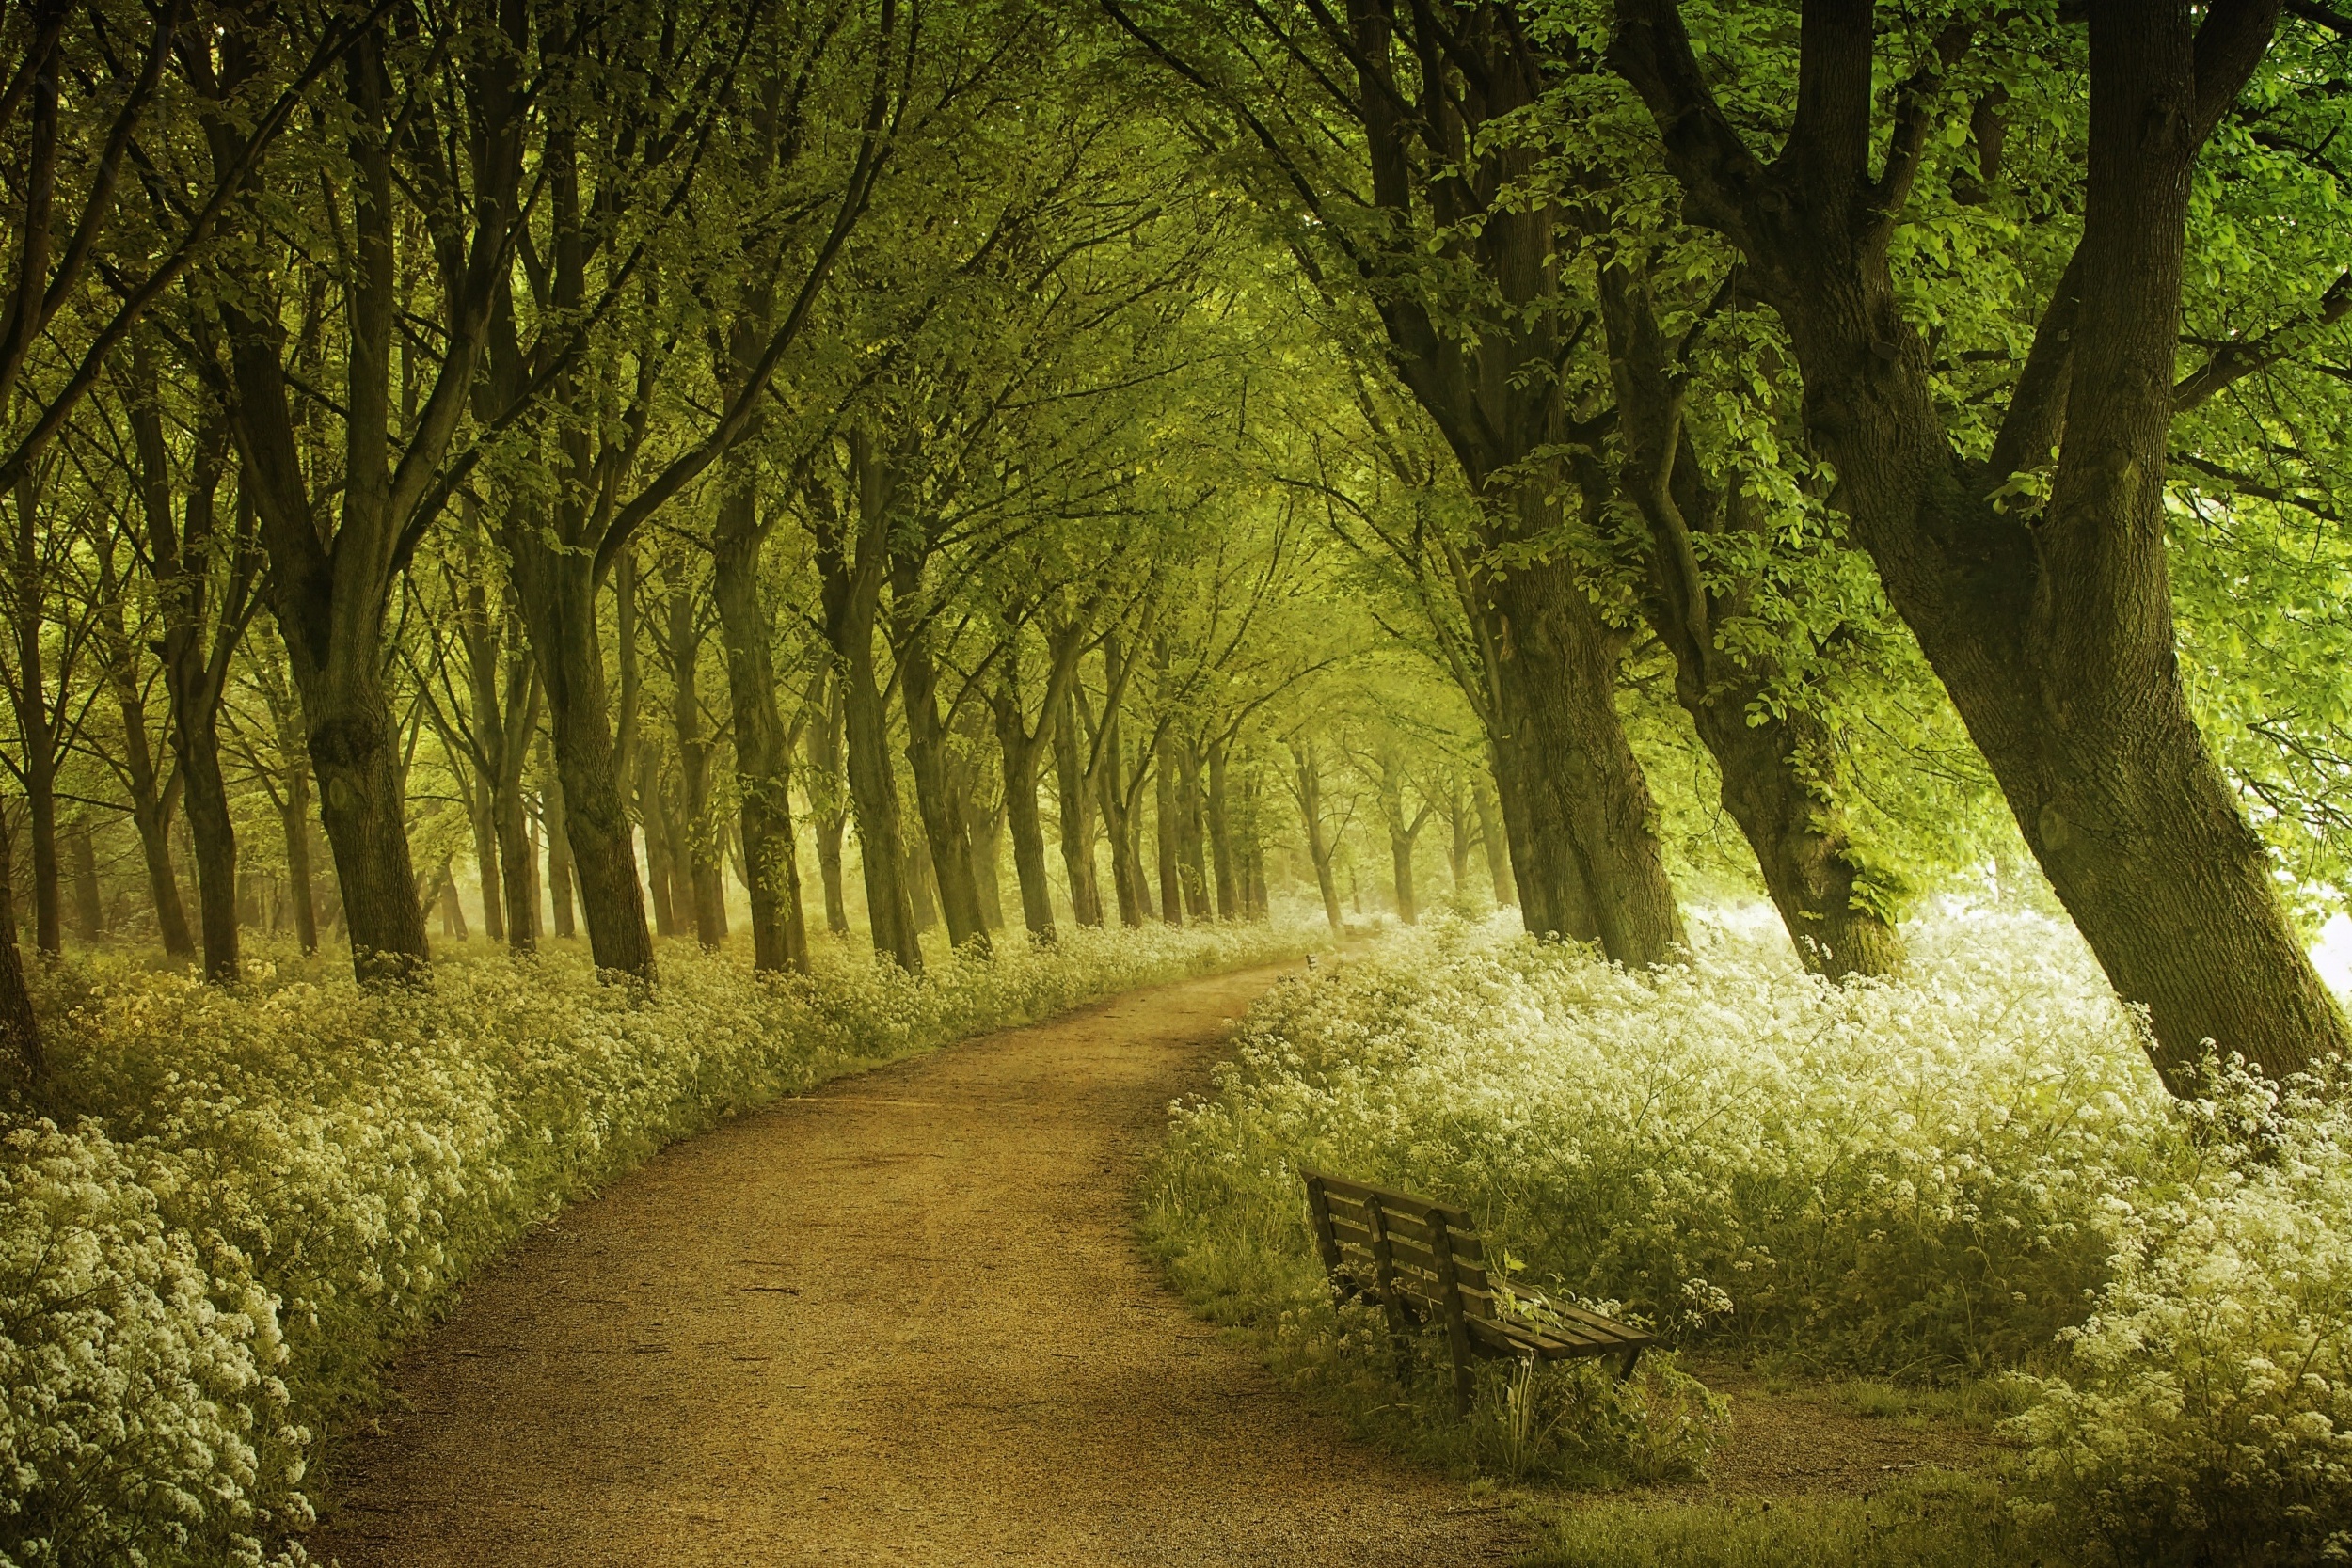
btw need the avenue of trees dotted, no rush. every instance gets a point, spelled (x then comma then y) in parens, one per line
(575, 468)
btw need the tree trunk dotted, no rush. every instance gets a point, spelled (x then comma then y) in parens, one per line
(1309, 796)
(1076, 808)
(1580, 771)
(1229, 890)
(482, 807)
(37, 730)
(874, 801)
(1117, 821)
(695, 857)
(828, 800)
(1018, 751)
(151, 816)
(558, 595)
(944, 832)
(213, 836)
(1192, 835)
(21, 1065)
(1457, 849)
(763, 750)
(1168, 831)
(295, 816)
(559, 848)
(1497, 846)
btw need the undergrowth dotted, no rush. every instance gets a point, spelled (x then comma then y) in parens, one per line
(1966, 1180)
(257, 1192)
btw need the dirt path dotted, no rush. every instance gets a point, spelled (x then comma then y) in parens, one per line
(900, 1321)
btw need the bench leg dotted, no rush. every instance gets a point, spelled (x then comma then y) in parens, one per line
(1630, 1357)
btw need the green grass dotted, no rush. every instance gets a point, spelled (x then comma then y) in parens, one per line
(1933, 1522)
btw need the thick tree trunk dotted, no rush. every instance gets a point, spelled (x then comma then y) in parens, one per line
(558, 596)
(1579, 765)
(1546, 870)
(1496, 844)
(1192, 835)
(988, 842)
(205, 795)
(354, 753)
(763, 750)
(874, 802)
(695, 857)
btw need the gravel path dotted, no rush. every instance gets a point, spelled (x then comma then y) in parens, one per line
(899, 1320)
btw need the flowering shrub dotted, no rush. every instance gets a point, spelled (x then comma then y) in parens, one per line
(1971, 1170)
(2205, 1413)
(266, 1189)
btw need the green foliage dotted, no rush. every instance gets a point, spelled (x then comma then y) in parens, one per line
(268, 1190)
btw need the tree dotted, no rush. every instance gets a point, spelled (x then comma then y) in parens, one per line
(2054, 632)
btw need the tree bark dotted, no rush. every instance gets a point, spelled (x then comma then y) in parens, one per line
(696, 860)
(828, 797)
(149, 810)
(1307, 785)
(1496, 844)
(1017, 750)
(1229, 890)
(332, 592)
(21, 1063)
(1075, 809)
(763, 748)
(558, 595)
(851, 573)
(559, 848)
(944, 831)
(482, 808)
(1168, 831)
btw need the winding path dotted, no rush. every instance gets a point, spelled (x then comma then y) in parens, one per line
(899, 1320)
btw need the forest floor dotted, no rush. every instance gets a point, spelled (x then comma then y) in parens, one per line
(903, 1319)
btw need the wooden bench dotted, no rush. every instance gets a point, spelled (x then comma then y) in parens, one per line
(1419, 1261)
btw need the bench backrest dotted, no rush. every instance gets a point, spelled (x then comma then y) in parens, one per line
(1399, 1247)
